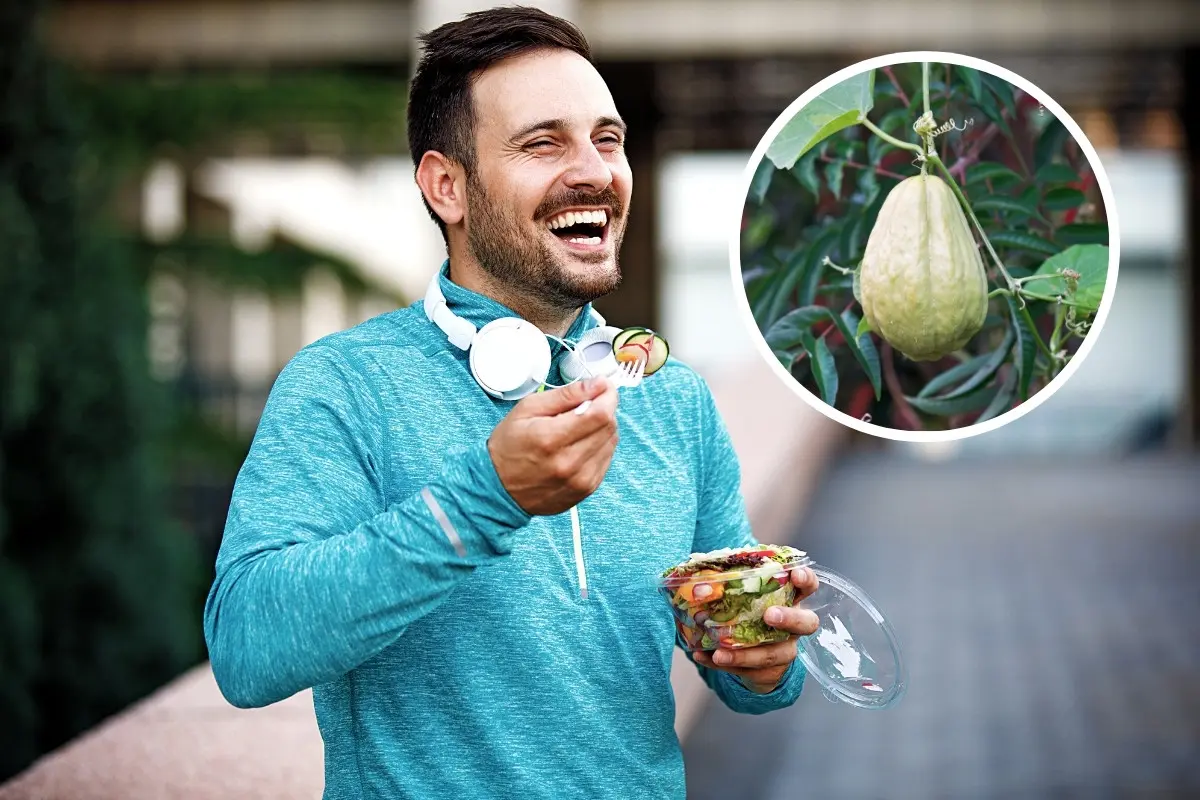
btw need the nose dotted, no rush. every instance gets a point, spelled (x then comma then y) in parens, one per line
(588, 169)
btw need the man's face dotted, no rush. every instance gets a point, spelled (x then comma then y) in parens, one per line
(548, 202)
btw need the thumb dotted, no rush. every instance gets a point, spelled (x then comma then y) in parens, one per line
(557, 401)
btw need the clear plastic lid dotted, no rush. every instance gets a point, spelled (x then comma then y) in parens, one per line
(854, 655)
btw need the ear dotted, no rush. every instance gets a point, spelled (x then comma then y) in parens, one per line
(443, 183)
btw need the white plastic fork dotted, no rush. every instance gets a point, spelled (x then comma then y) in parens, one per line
(628, 375)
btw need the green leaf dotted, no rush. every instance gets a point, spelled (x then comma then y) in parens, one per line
(758, 230)
(1090, 261)
(971, 78)
(987, 104)
(785, 358)
(761, 180)
(897, 121)
(823, 367)
(789, 276)
(1003, 399)
(814, 266)
(1050, 143)
(790, 329)
(833, 176)
(1023, 241)
(1082, 233)
(986, 369)
(868, 184)
(1026, 352)
(1056, 173)
(1006, 205)
(990, 171)
(965, 404)
(1063, 198)
(953, 375)
(862, 347)
(864, 327)
(1003, 91)
(973, 372)
(806, 173)
(836, 108)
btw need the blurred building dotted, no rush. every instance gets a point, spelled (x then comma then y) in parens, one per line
(700, 82)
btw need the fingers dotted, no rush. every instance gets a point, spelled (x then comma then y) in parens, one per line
(805, 581)
(798, 621)
(555, 401)
(576, 424)
(763, 656)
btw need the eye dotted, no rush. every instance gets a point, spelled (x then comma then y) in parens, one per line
(541, 145)
(609, 140)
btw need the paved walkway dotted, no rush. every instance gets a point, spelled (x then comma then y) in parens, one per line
(1050, 618)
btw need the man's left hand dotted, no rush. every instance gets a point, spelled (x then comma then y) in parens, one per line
(762, 667)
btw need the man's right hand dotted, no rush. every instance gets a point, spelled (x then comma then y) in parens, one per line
(547, 456)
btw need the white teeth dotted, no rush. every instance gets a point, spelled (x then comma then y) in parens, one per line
(570, 218)
(581, 240)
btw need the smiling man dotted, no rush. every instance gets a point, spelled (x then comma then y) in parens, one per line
(458, 564)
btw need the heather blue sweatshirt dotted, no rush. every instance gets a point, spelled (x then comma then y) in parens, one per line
(457, 646)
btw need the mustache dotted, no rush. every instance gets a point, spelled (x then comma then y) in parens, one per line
(578, 197)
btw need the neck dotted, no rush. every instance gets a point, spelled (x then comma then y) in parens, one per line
(467, 273)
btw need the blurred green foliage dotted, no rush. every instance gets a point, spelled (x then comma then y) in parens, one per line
(101, 583)
(97, 584)
(816, 195)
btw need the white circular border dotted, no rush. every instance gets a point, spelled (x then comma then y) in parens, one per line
(956, 434)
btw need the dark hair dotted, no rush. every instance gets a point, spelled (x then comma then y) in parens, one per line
(441, 112)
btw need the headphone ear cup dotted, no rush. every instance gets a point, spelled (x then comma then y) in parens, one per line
(510, 358)
(592, 356)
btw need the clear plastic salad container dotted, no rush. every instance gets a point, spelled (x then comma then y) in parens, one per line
(719, 598)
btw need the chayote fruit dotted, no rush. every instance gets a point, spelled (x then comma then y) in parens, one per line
(922, 285)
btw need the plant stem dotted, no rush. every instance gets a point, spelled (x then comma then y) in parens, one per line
(1037, 337)
(1012, 286)
(1046, 298)
(1037, 277)
(899, 89)
(844, 270)
(878, 170)
(892, 140)
(925, 83)
(1059, 314)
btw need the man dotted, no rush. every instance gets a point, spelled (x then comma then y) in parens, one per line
(466, 581)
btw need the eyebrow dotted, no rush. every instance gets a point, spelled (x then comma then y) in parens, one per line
(560, 125)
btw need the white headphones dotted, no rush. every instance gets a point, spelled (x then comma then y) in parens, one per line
(510, 357)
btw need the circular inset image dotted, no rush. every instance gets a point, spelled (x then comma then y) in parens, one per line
(928, 246)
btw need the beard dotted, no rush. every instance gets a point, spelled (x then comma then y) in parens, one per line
(529, 265)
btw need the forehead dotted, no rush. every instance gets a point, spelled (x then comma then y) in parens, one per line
(541, 85)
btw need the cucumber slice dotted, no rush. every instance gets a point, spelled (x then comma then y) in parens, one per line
(654, 348)
(724, 616)
(622, 337)
(752, 584)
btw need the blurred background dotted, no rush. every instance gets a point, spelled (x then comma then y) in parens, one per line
(192, 190)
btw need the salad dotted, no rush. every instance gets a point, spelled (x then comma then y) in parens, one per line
(719, 598)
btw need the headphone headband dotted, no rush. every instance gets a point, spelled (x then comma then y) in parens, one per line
(459, 331)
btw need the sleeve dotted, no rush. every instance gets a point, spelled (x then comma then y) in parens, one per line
(315, 575)
(722, 521)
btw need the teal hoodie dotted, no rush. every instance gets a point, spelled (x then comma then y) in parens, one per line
(457, 646)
